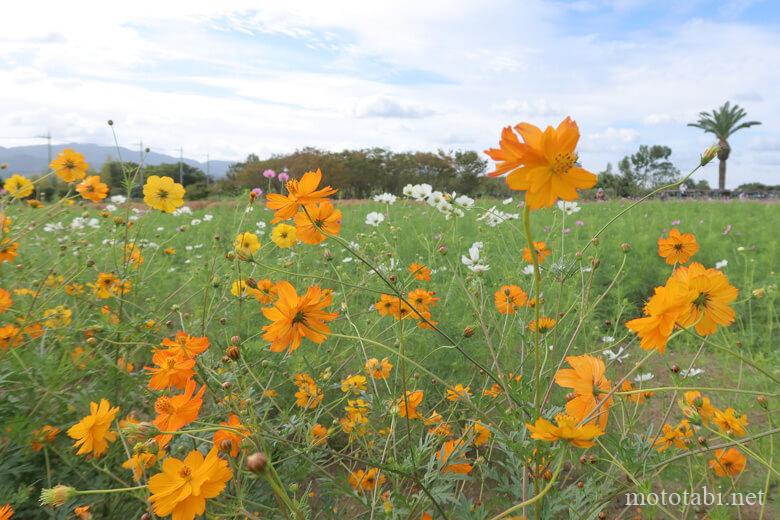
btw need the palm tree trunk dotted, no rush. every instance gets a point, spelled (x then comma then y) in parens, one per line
(722, 175)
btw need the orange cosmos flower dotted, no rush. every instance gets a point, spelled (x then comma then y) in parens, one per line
(9, 336)
(6, 512)
(175, 412)
(422, 300)
(296, 317)
(92, 189)
(458, 392)
(541, 253)
(728, 463)
(366, 480)
(378, 369)
(391, 305)
(590, 387)
(264, 291)
(353, 384)
(319, 435)
(674, 436)
(678, 247)
(420, 271)
(712, 296)
(5, 300)
(729, 423)
(181, 489)
(91, 433)
(544, 165)
(69, 165)
(494, 391)
(661, 314)
(47, 434)
(172, 370)
(230, 440)
(8, 250)
(299, 192)
(544, 324)
(481, 433)
(309, 395)
(320, 216)
(82, 512)
(407, 406)
(109, 285)
(565, 429)
(638, 397)
(509, 298)
(186, 345)
(452, 458)
(139, 462)
(701, 404)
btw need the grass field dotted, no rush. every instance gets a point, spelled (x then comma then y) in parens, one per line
(101, 349)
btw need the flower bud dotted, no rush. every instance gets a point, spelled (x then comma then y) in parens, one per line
(675, 368)
(580, 484)
(759, 293)
(625, 247)
(256, 462)
(595, 263)
(469, 331)
(251, 283)
(762, 401)
(709, 154)
(235, 340)
(226, 385)
(57, 496)
(327, 255)
(595, 241)
(702, 440)
(230, 255)
(233, 352)
(442, 249)
(146, 516)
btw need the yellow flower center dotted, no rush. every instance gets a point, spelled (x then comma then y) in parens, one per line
(69, 164)
(185, 472)
(562, 163)
(163, 405)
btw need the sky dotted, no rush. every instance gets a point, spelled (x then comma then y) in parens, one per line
(235, 77)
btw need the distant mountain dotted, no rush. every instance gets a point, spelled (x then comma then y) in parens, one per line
(34, 158)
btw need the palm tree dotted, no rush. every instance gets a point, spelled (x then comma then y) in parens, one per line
(723, 122)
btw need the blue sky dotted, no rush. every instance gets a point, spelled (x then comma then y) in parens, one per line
(230, 78)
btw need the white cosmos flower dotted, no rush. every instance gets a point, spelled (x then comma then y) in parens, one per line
(184, 210)
(721, 264)
(474, 259)
(528, 270)
(207, 217)
(693, 372)
(118, 199)
(507, 201)
(408, 190)
(110, 208)
(374, 218)
(641, 378)
(618, 356)
(607, 339)
(421, 191)
(53, 226)
(570, 208)
(386, 198)
(196, 222)
(464, 201)
(494, 216)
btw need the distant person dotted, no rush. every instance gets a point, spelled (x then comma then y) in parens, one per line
(683, 190)
(600, 195)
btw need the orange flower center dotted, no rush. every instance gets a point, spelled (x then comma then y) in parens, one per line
(69, 164)
(678, 247)
(171, 363)
(185, 472)
(163, 405)
(562, 163)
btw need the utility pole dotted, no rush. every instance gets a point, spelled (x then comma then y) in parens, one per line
(141, 160)
(48, 143)
(208, 168)
(181, 166)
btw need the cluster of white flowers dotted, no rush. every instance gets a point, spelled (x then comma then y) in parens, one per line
(51, 227)
(474, 260)
(569, 208)
(641, 378)
(449, 204)
(118, 199)
(81, 223)
(494, 216)
(184, 210)
(387, 198)
(374, 218)
(721, 264)
(261, 225)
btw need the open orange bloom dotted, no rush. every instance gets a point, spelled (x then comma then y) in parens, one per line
(701, 404)
(452, 457)
(10, 336)
(183, 486)
(728, 462)
(678, 247)
(172, 370)
(565, 429)
(5, 300)
(309, 395)
(637, 397)
(729, 423)
(378, 369)
(541, 253)
(47, 434)
(662, 312)
(407, 406)
(92, 189)
(586, 379)
(712, 296)
(421, 272)
(299, 192)
(544, 165)
(296, 317)
(6, 512)
(177, 411)
(8, 250)
(458, 392)
(230, 440)
(674, 436)
(509, 298)
(69, 165)
(320, 216)
(91, 433)
(319, 435)
(362, 480)
(392, 305)
(544, 324)
(139, 462)
(186, 345)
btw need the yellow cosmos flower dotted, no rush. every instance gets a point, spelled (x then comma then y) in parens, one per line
(163, 193)
(91, 433)
(69, 165)
(284, 236)
(246, 244)
(18, 186)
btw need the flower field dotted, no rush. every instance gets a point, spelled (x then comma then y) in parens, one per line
(420, 355)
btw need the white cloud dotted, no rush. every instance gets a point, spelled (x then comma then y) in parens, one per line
(381, 106)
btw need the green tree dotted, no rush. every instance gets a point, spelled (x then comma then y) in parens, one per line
(649, 167)
(722, 123)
